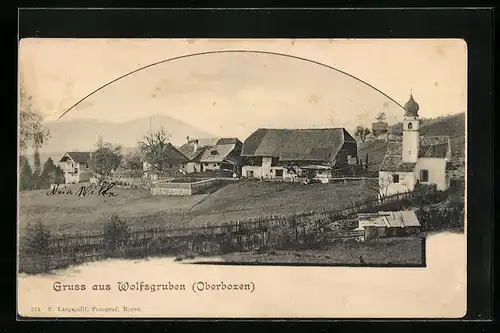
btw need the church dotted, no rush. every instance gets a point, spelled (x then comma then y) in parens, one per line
(415, 159)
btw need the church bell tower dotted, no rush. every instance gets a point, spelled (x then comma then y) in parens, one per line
(411, 123)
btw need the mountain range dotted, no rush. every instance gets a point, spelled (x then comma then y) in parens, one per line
(82, 134)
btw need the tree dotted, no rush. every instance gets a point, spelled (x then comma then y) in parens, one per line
(362, 132)
(133, 162)
(155, 150)
(32, 132)
(116, 235)
(106, 158)
(381, 117)
(51, 174)
(35, 245)
(26, 174)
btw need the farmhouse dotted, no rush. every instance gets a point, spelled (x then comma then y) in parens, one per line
(193, 150)
(175, 162)
(224, 155)
(283, 154)
(388, 224)
(75, 166)
(416, 159)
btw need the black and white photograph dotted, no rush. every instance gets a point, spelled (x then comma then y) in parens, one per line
(187, 161)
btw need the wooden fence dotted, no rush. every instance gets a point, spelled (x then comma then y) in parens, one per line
(305, 230)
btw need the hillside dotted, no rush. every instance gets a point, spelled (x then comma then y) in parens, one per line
(452, 126)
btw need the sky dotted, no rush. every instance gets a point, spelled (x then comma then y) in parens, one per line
(234, 93)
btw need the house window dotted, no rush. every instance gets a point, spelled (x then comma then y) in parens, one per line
(395, 178)
(86, 165)
(410, 126)
(424, 176)
(206, 164)
(279, 173)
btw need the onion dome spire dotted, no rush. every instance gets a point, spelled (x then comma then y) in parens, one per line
(411, 107)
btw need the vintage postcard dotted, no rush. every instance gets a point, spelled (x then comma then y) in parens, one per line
(223, 178)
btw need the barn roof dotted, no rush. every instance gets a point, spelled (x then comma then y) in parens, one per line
(297, 144)
(78, 156)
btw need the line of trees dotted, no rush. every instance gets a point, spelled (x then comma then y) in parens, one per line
(32, 179)
(33, 134)
(152, 149)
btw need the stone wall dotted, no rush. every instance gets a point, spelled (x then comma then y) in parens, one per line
(170, 191)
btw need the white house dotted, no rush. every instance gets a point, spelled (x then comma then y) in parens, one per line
(415, 159)
(75, 166)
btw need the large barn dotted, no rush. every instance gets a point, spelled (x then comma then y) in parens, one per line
(283, 153)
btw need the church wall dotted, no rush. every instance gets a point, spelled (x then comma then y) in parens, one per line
(387, 187)
(437, 171)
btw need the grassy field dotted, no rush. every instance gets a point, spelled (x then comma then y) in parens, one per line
(70, 213)
(388, 251)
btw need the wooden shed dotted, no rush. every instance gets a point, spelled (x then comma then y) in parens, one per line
(388, 224)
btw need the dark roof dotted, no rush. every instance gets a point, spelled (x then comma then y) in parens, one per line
(174, 155)
(188, 150)
(228, 141)
(78, 156)
(429, 147)
(296, 144)
(395, 163)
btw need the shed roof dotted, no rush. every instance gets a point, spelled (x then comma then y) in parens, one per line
(395, 219)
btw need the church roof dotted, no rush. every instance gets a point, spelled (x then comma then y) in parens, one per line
(429, 147)
(395, 163)
(411, 108)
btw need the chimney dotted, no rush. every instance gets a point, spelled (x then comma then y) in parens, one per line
(187, 138)
(195, 145)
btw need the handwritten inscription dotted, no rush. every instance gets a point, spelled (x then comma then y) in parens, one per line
(104, 189)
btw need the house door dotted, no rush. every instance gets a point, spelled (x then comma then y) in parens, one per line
(249, 173)
(201, 167)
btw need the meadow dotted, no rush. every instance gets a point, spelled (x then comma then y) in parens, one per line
(234, 201)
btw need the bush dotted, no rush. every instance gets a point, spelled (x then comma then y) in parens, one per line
(35, 248)
(116, 235)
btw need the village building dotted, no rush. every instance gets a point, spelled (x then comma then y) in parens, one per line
(76, 167)
(193, 150)
(388, 224)
(415, 160)
(225, 155)
(175, 163)
(285, 154)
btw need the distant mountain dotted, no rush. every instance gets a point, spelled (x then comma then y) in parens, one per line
(82, 134)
